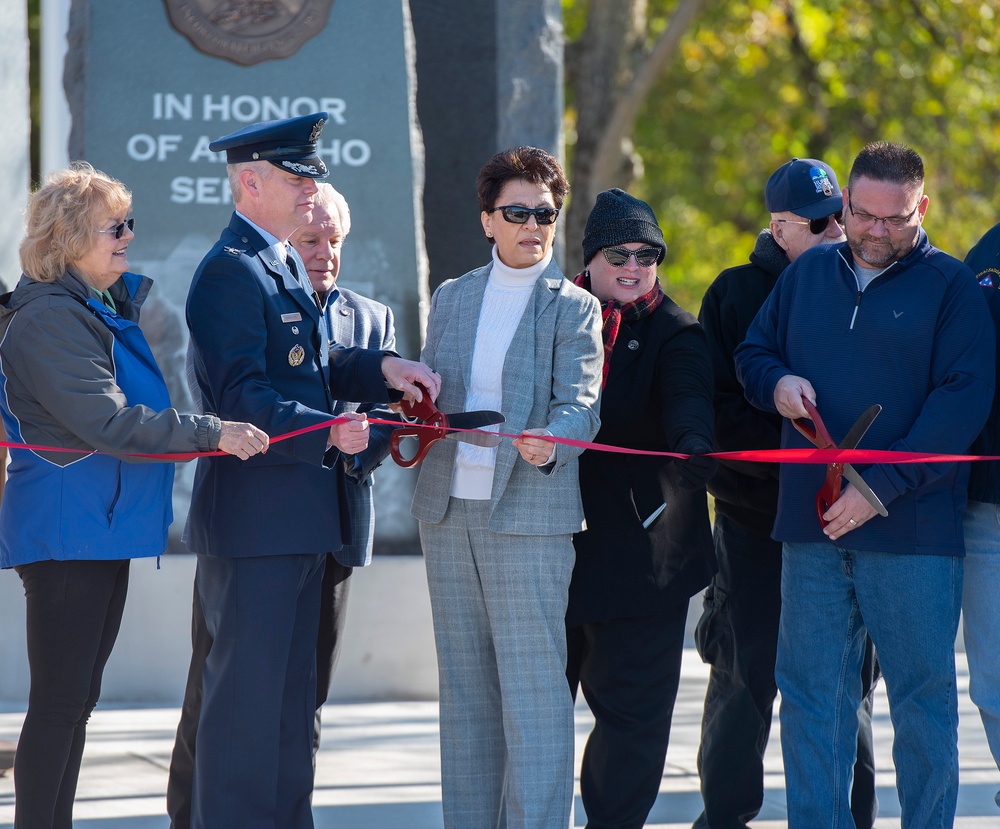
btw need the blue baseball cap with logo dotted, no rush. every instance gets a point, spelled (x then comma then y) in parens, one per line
(804, 186)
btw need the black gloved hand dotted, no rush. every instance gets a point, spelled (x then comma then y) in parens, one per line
(696, 471)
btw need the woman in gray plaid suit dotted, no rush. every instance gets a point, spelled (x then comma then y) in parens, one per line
(497, 524)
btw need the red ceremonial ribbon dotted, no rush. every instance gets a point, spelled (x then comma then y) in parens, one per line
(821, 456)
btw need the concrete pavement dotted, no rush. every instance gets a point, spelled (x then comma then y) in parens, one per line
(378, 767)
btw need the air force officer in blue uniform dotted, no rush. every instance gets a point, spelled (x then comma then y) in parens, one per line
(352, 320)
(262, 529)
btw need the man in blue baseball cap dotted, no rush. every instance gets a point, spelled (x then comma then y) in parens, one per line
(806, 206)
(260, 345)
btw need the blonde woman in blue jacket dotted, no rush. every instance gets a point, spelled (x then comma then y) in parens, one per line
(76, 373)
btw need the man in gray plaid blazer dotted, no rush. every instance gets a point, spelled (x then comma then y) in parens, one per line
(352, 320)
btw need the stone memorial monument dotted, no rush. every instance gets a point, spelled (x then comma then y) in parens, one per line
(150, 88)
(489, 77)
(148, 84)
(147, 91)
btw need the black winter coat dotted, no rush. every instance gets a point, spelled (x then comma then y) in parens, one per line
(658, 397)
(746, 493)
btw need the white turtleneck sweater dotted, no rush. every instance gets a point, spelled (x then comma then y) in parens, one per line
(507, 293)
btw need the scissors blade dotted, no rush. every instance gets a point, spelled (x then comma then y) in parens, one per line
(474, 420)
(487, 439)
(853, 437)
(855, 478)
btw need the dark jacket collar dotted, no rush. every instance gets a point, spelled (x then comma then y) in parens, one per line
(243, 229)
(130, 291)
(768, 254)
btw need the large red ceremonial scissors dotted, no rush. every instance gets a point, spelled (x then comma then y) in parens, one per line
(435, 426)
(820, 437)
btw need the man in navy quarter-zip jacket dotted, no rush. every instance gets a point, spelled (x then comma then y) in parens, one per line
(885, 318)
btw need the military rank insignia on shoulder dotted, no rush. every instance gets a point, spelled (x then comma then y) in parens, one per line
(233, 251)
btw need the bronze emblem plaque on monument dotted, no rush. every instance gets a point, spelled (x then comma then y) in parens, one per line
(248, 31)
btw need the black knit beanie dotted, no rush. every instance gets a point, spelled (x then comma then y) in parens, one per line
(617, 219)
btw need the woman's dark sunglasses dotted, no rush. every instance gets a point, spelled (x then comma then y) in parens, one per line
(644, 257)
(519, 215)
(119, 230)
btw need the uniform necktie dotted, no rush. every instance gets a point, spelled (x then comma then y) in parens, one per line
(290, 262)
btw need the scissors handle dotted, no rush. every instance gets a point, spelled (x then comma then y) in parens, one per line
(829, 493)
(425, 439)
(818, 435)
(424, 410)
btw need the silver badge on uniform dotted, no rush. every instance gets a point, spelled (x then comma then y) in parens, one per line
(296, 355)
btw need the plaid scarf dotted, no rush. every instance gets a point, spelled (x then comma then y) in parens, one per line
(613, 313)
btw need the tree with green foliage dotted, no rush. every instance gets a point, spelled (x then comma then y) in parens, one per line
(611, 69)
(754, 83)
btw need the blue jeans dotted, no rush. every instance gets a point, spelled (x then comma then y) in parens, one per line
(738, 635)
(981, 614)
(909, 605)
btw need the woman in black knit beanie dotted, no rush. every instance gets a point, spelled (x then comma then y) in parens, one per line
(647, 547)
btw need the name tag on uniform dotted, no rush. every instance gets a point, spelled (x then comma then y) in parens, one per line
(291, 317)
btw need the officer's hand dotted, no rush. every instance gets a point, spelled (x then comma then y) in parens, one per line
(402, 374)
(351, 436)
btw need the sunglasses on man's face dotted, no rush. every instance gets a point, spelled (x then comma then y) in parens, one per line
(817, 226)
(519, 215)
(119, 230)
(644, 257)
